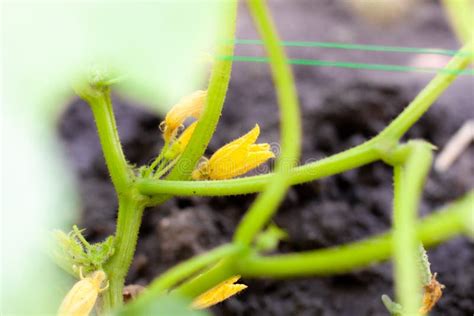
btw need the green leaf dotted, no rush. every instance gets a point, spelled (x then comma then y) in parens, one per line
(153, 46)
(156, 46)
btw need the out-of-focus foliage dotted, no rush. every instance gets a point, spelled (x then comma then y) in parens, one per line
(154, 46)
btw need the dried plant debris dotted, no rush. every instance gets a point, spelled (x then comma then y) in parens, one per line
(432, 289)
(131, 291)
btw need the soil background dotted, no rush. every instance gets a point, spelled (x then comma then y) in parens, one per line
(340, 109)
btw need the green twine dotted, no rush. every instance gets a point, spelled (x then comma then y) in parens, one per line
(351, 65)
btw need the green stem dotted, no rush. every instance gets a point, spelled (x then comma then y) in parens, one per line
(346, 160)
(186, 269)
(157, 160)
(102, 110)
(363, 154)
(161, 171)
(131, 203)
(431, 230)
(409, 178)
(266, 204)
(126, 234)
(217, 90)
(428, 95)
(461, 15)
(181, 272)
(215, 275)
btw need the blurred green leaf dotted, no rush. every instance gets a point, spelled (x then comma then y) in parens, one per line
(155, 45)
(154, 48)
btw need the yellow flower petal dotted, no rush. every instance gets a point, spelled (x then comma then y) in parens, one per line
(252, 161)
(259, 147)
(218, 293)
(235, 158)
(80, 300)
(189, 106)
(232, 148)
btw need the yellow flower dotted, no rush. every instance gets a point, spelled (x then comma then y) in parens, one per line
(178, 146)
(218, 293)
(80, 300)
(235, 158)
(189, 106)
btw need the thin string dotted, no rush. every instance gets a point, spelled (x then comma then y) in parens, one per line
(361, 47)
(352, 65)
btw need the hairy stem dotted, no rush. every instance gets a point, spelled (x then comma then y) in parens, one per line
(350, 159)
(131, 202)
(409, 178)
(425, 99)
(215, 275)
(217, 90)
(158, 160)
(433, 229)
(102, 110)
(266, 204)
(126, 234)
(346, 160)
(181, 272)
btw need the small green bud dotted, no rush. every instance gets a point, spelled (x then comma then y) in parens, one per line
(268, 240)
(393, 308)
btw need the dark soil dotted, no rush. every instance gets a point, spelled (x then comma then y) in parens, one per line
(341, 108)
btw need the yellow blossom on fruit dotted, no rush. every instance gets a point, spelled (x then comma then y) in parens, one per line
(189, 106)
(218, 293)
(235, 158)
(80, 300)
(178, 146)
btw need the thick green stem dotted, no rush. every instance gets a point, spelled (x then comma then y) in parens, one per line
(266, 204)
(409, 178)
(102, 110)
(461, 15)
(433, 229)
(222, 271)
(131, 202)
(346, 160)
(126, 234)
(216, 92)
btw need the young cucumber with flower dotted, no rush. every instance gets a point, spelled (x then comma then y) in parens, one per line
(232, 160)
